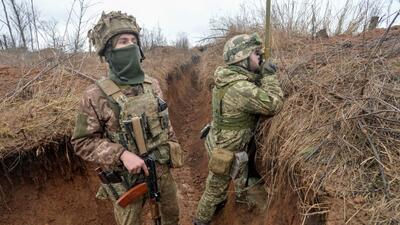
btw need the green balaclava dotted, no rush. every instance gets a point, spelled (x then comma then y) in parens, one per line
(124, 65)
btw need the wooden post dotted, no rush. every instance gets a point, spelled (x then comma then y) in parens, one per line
(267, 42)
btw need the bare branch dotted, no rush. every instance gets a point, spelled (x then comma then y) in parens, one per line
(8, 24)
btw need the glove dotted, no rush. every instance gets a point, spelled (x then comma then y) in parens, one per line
(268, 68)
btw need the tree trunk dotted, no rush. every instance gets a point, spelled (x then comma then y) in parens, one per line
(8, 24)
(5, 41)
(313, 22)
(373, 23)
(19, 23)
(82, 11)
(35, 26)
(90, 48)
(31, 33)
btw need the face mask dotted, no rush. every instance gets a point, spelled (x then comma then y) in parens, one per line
(124, 65)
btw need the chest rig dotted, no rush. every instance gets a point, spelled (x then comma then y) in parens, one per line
(143, 118)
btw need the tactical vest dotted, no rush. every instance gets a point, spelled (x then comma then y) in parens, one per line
(147, 106)
(221, 122)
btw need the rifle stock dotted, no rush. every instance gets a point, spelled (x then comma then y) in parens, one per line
(132, 194)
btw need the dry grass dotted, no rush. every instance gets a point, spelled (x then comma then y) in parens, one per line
(41, 100)
(337, 139)
(40, 111)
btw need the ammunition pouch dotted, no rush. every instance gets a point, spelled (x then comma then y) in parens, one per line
(176, 154)
(221, 162)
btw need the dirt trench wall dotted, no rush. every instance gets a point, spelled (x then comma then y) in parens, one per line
(54, 187)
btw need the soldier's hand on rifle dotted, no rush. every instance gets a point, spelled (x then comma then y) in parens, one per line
(268, 68)
(133, 163)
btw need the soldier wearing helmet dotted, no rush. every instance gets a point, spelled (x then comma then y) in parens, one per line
(107, 108)
(245, 88)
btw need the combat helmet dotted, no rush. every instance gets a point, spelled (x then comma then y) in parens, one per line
(240, 47)
(109, 25)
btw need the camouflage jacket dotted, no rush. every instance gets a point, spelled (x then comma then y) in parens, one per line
(96, 117)
(243, 98)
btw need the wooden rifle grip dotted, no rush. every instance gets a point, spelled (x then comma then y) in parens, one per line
(132, 194)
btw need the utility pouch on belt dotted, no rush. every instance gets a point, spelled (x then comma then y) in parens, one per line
(176, 155)
(221, 161)
(240, 161)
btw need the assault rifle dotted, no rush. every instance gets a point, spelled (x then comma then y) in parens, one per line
(136, 127)
(150, 186)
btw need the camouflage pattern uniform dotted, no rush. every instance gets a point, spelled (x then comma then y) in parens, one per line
(238, 97)
(97, 120)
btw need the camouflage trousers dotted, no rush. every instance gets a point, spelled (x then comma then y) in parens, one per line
(216, 192)
(131, 215)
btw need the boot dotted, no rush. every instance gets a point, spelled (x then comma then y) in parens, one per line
(220, 206)
(244, 199)
(196, 222)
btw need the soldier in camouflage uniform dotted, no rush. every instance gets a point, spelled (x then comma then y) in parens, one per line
(245, 88)
(100, 135)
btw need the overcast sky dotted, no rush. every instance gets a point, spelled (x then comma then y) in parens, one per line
(173, 16)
